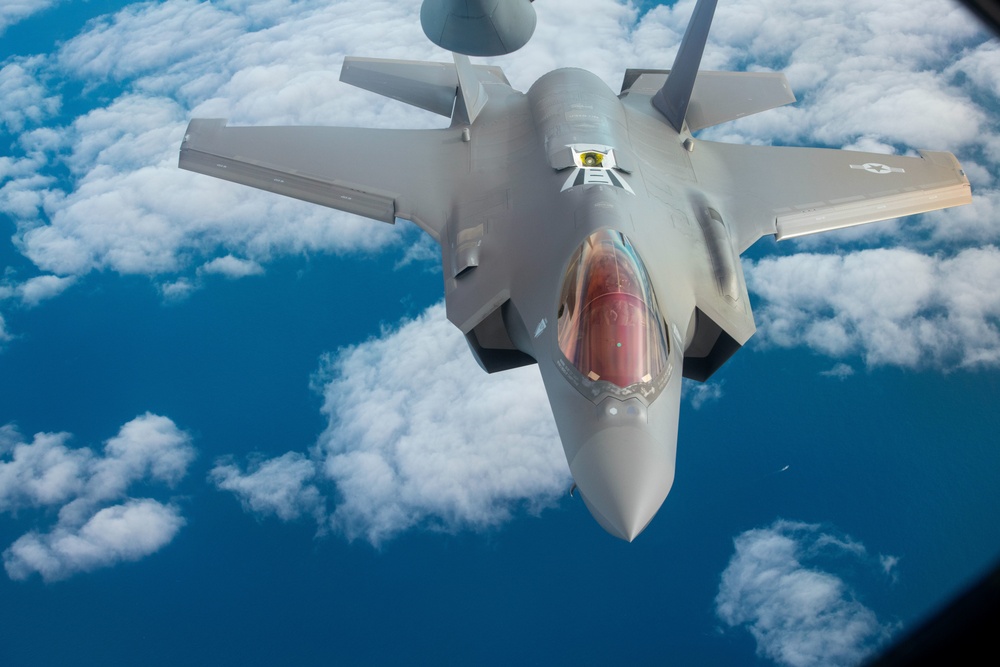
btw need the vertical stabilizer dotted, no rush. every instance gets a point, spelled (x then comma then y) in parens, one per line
(672, 99)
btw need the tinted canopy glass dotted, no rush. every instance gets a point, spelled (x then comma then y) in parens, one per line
(610, 328)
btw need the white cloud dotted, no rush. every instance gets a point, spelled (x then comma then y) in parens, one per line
(857, 68)
(232, 267)
(417, 432)
(700, 393)
(889, 565)
(892, 306)
(178, 290)
(840, 371)
(25, 98)
(126, 532)
(97, 525)
(128, 207)
(42, 473)
(5, 335)
(22, 188)
(418, 435)
(279, 486)
(14, 11)
(421, 249)
(151, 38)
(38, 289)
(133, 211)
(799, 614)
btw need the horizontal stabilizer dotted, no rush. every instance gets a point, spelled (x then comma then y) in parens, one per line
(426, 85)
(718, 97)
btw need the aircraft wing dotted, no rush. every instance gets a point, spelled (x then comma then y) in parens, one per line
(792, 192)
(379, 174)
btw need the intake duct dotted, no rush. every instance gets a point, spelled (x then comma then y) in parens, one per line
(478, 27)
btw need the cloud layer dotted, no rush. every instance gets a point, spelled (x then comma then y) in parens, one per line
(884, 75)
(417, 435)
(800, 614)
(892, 306)
(97, 524)
(14, 11)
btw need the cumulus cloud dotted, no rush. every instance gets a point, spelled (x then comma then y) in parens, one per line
(232, 267)
(178, 290)
(25, 98)
(416, 431)
(126, 532)
(700, 393)
(892, 306)
(280, 486)
(889, 565)
(98, 524)
(417, 435)
(15, 11)
(35, 290)
(857, 68)
(778, 586)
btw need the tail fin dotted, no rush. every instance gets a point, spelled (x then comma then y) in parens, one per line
(673, 98)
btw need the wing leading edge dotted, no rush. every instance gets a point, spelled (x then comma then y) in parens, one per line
(379, 174)
(791, 192)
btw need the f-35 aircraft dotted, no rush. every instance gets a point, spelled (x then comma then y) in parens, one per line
(586, 231)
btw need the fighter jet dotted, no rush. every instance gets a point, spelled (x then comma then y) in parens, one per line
(581, 230)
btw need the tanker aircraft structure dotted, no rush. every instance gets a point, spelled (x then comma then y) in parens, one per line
(586, 231)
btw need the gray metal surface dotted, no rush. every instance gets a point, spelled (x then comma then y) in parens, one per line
(519, 182)
(718, 97)
(478, 27)
(673, 98)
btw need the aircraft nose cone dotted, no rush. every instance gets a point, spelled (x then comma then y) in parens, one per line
(623, 475)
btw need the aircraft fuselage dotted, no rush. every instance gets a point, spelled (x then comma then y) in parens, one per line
(541, 204)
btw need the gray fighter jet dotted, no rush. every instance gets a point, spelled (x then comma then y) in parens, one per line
(586, 231)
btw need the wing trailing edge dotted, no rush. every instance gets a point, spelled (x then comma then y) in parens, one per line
(789, 191)
(908, 201)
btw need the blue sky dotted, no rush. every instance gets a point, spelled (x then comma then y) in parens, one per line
(235, 428)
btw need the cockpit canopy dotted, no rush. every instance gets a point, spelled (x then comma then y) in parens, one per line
(610, 327)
